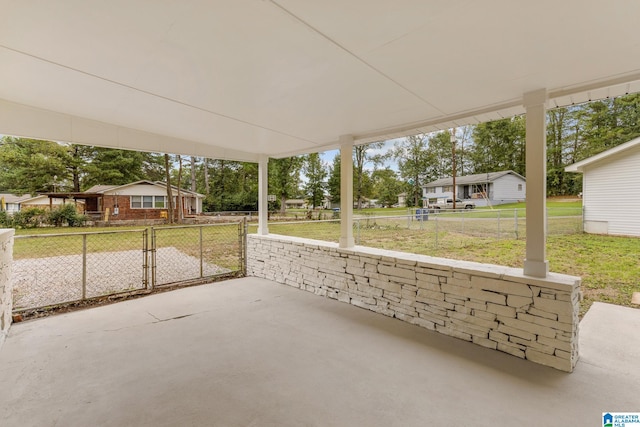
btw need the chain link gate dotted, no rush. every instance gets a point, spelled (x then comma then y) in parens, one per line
(196, 253)
(57, 269)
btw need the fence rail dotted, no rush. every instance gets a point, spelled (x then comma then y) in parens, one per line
(434, 230)
(63, 268)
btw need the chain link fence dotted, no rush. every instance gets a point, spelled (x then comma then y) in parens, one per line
(188, 253)
(54, 269)
(439, 230)
(50, 269)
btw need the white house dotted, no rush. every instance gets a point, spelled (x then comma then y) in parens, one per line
(491, 188)
(610, 184)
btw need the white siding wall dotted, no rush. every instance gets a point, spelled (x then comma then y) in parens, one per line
(610, 195)
(141, 190)
(506, 188)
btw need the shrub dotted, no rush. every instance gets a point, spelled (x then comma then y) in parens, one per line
(28, 218)
(65, 215)
(6, 220)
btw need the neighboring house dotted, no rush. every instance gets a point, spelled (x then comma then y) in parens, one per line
(402, 200)
(10, 203)
(44, 201)
(295, 204)
(328, 203)
(610, 184)
(491, 188)
(141, 200)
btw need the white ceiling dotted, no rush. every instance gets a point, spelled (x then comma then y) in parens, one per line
(239, 78)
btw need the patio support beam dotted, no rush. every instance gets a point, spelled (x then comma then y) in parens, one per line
(263, 189)
(346, 192)
(535, 263)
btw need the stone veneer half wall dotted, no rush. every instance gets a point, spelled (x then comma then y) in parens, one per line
(6, 297)
(492, 306)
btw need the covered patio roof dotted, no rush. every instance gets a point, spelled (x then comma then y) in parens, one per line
(239, 79)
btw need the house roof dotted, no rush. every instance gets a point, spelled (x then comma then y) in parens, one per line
(12, 198)
(108, 188)
(242, 79)
(473, 179)
(605, 155)
(100, 188)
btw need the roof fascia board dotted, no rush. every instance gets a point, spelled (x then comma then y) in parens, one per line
(579, 166)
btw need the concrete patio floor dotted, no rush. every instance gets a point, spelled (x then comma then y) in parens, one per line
(250, 352)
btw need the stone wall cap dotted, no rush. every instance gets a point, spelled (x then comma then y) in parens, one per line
(556, 281)
(7, 232)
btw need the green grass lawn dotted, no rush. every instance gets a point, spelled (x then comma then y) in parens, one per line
(220, 242)
(608, 265)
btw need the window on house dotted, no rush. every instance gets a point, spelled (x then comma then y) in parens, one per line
(148, 202)
(159, 202)
(519, 187)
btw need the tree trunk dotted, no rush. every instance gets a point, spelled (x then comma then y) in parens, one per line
(180, 204)
(193, 173)
(167, 172)
(206, 175)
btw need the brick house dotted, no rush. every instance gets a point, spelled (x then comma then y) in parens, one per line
(142, 200)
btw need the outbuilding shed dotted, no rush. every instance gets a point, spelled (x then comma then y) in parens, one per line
(610, 183)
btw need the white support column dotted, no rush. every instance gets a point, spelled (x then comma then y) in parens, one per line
(535, 263)
(346, 191)
(263, 189)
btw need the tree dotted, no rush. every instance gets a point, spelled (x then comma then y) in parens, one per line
(32, 166)
(169, 189)
(316, 173)
(193, 174)
(284, 178)
(362, 155)
(386, 186)
(439, 155)
(499, 145)
(413, 162)
(333, 183)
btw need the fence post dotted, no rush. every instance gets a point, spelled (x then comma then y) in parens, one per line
(498, 223)
(84, 267)
(409, 222)
(242, 235)
(515, 221)
(201, 256)
(357, 231)
(436, 219)
(153, 257)
(145, 258)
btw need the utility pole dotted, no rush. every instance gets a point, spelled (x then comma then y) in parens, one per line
(453, 168)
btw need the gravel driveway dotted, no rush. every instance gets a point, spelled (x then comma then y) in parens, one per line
(39, 282)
